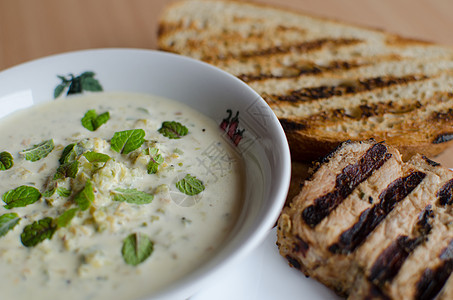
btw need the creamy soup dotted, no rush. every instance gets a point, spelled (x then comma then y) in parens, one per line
(111, 196)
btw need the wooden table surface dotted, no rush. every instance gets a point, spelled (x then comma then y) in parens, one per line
(31, 29)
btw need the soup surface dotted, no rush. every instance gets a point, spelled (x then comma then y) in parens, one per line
(111, 196)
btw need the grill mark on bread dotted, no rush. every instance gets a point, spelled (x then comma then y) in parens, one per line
(433, 280)
(443, 138)
(349, 178)
(349, 88)
(445, 193)
(389, 262)
(294, 71)
(363, 112)
(301, 47)
(369, 219)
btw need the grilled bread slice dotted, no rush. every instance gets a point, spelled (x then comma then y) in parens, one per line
(326, 81)
(371, 226)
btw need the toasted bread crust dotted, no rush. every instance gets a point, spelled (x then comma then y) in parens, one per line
(327, 81)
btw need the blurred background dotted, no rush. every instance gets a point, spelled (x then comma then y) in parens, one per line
(33, 29)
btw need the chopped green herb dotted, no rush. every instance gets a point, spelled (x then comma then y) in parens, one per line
(21, 196)
(70, 153)
(137, 247)
(63, 192)
(77, 84)
(7, 222)
(65, 218)
(38, 151)
(6, 161)
(127, 141)
(190, 185)
(37, 232)
(132, 196)
(92, 121)
(85, 197)
(95, 157)
(68, 169)
(173, 129)
(49, 193)
(156, 160)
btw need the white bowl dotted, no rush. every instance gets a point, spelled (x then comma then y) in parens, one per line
(201, 86)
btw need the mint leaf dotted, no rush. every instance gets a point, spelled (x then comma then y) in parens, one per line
(70, 153)
(68, 169)
(49, 193)
(92, 121)
(38, 151)
(6, 161)
(137, 247)
(21, 196)
(7, 222)
(65, 218)
(95, 157)
(127, 141)
(85, 197)
(173, 129)
(63, 192)
(132, 196)
(37, 232)
(156, 160)
(190, 185)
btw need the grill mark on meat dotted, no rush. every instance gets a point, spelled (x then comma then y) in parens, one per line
(293, 262)
(390, 261)
(349, 178)
(445, 193)
(300, 246)
(294, 71)
(431, 162)
(354, 87)
(433, 280)
(443, 138)
(376, 293)
(369, 219)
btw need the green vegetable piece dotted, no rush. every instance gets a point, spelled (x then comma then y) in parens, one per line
(6, 161)
(77, 84)
(63, 192)
(85, 197)
(21, 196)
(127, 141)
(37, 232)
(49, 193)
(190, 185)
(68, 169)
(8, 222)
(70, 153)
(92, 121)
(156, 160)
(173, 129)
(65, 218)
(137, 247)
(38, 151)
(132, 196)
(96, 157)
